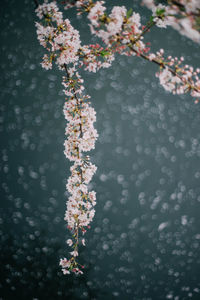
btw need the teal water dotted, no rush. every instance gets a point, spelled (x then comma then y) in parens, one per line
(144, 241)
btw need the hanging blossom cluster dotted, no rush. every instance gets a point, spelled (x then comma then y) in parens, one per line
(64, 47)
(81, 137)
(182, 15)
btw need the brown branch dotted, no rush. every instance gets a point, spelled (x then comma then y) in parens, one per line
(81, 128)
(176, 3)
(77, 100)
(161, 64)
(146, 29)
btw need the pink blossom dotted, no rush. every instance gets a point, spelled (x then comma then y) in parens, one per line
(74, 253)
(70, 242)
(96, 12)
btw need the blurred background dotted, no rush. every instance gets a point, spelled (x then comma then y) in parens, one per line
(144, 241)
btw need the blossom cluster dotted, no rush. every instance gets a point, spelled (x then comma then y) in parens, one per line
(182, 15)
(161, 15)
(62, 42)
(176, 77)
(121, 32)
(81, 137)
(57, 35)
(116, 29)
(122, 29)
(95, 57)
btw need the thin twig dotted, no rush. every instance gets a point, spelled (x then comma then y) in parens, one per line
(161, 64)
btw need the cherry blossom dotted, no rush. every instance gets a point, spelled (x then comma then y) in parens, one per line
(120, 32)
(62, 42)
(160, 14)
(81, 137)
(182, 15)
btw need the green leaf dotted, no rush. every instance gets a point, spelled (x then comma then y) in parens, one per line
(160, 12)
(129, 13)
(104, 53)
(151, 19)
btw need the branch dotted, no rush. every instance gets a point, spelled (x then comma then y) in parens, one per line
(77, 101)
(162, 65)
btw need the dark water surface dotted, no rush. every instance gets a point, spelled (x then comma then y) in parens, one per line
(144, 241)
